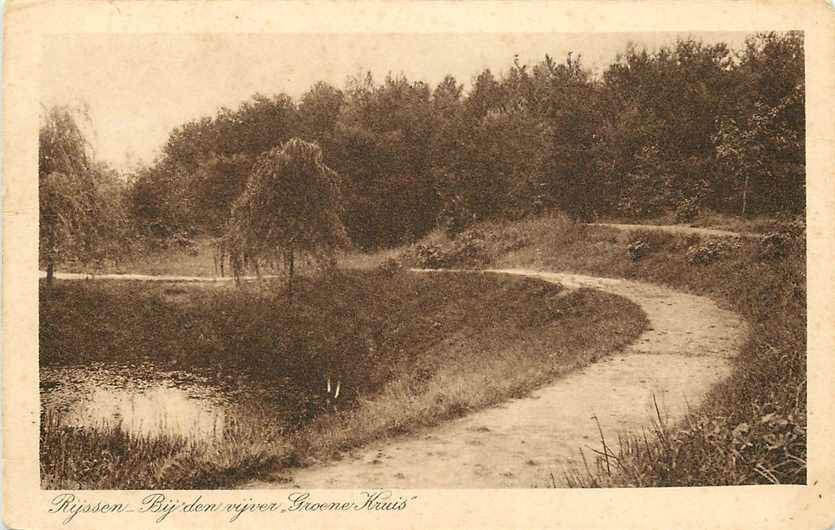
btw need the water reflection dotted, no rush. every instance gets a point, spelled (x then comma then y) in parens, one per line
(147, 401)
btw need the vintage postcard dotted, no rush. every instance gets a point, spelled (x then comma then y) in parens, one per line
(418, 265)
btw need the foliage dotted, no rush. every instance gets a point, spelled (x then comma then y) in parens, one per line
(391, 267)
(81, 210)
(290, 207)
(204, 166)
(383, 144)
(638, 249)
(711, 250)
(690, 126)
(467, 250)
(217, 183)
(429, 256)
(686, 210)
(646, 242)
(773, 246)
(761, 145)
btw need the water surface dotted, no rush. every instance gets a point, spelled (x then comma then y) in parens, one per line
(145, 400)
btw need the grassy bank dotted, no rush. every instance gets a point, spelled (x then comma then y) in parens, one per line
(410, 350)
(752, 428)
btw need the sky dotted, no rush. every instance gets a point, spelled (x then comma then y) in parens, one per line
(138, 87)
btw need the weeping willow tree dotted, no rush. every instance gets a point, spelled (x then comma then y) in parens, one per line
(71, 218)
(290, 208)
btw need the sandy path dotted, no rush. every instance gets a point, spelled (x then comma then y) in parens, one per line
(522, 442)
(680, 229)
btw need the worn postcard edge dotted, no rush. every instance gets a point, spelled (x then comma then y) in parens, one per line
(810, 506)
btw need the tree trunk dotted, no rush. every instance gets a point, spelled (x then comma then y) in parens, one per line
(291, 272)
(745, 196)
(50, 272)
(50, 256)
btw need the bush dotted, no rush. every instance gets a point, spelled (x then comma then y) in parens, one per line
(390, 267)
(788, 238)
(453, 222)
(466, 250)
(638, 249)
(642, 243)
(469, 249)
(687, 210)
(773, 246)
(514, 242)
(429, 256)
(712, 250)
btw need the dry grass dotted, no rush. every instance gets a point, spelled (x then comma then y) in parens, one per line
(108, 457)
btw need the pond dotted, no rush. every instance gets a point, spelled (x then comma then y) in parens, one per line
(145, 400)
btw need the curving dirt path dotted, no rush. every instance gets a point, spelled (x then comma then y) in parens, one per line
(525, 442)
(680, 229)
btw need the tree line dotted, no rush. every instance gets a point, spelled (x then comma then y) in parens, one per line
(689, 126)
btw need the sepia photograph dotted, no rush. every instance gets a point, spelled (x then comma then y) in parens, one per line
(548, 260)
(418, 265)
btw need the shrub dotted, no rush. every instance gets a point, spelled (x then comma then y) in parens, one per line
(469, 249)
(466, 250)
(773, 246)
(687, 210)
(788, 238)
(795, 229)
(390, 267)
(429, 256)
(453, 222)
(184, 240)
(514, 242)
(642, 243)
(638, 249)
(712, 250)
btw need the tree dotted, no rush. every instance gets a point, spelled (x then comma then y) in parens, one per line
(72, 203)
(291, 206)
(383, 142)
(567, 100)
(659, 114)
(318, 114)
(204, 164)
(217, 182)
(760, 146)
